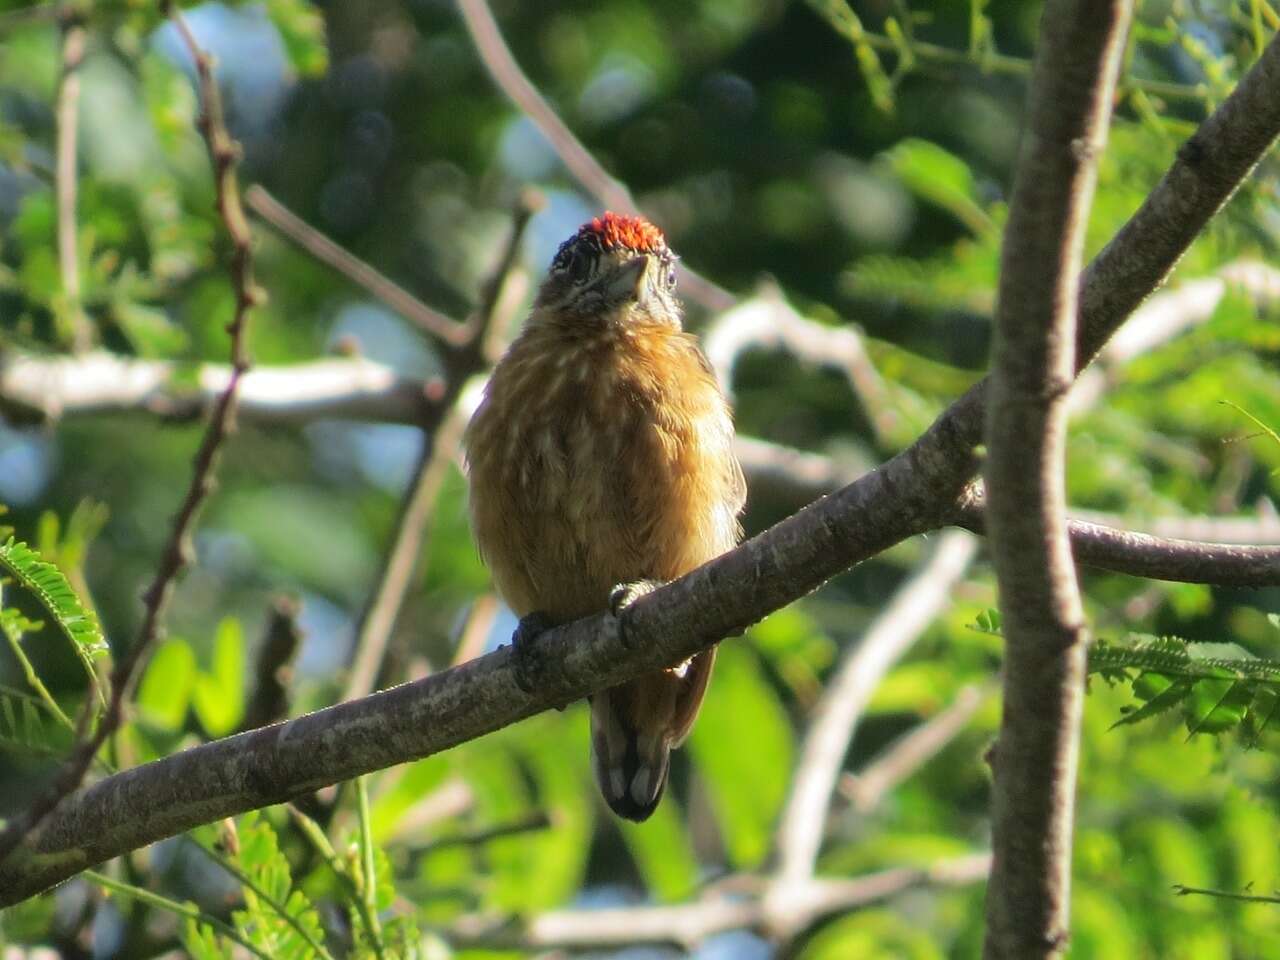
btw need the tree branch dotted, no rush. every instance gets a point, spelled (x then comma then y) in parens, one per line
(908, 494)
(768, 322)
(1156, 558)
(865, 789)
(396, 297)
(67, 111)
(511, 80)
(345, 388)
(177, 554)
(439, 449)
(687, 925)
(1033, 363)
(908, 614)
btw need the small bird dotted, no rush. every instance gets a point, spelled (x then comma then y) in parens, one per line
(602, 455)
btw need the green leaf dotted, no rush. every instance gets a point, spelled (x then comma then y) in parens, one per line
(941, 178)
(276, 918)
(662, 851)
(1217, 705)
(165, 691)
(219, 695)
(988, 621)
(1173, 695)
(48, 585)
(301, 26)
(742, 772)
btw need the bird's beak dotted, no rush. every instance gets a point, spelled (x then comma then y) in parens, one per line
(629, 280)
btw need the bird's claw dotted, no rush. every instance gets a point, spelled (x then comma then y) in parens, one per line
(525, 665)
(623, 596)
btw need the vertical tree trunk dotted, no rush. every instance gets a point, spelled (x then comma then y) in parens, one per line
(1033, 362)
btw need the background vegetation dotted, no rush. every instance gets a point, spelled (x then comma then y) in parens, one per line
(865, 174)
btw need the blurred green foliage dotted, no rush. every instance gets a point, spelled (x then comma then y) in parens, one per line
(830, 146)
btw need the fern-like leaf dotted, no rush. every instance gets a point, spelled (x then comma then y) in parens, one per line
(1219, 687)
(48, 585)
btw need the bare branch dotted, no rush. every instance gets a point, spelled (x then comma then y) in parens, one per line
(1160, 558)
(506, 73)
(71, 23)
(909, 753)
(223, 154)
(274, 669)
(440, 448)
(1169, 314)
(1033, 363)
(1209, 169)
(347, 388)
(401, 560)
(768, 322)
(687, 925)
(865, 664)
(396, 297)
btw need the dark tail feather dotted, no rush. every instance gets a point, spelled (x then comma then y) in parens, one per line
(634, 728)
(631, 766)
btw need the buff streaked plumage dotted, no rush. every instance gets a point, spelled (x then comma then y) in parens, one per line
(602, 454)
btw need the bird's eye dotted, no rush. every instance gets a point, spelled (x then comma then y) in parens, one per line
(671, 278)
(576, 265)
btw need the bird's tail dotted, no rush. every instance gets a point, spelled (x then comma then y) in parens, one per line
(635, 726)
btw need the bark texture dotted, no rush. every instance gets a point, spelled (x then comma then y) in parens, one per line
(1033, 365)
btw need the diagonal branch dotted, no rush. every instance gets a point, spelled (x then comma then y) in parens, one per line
(909, 494)
(396, 297)
(898, 761)
(223, 154)
(907, 615)
(767, 322)
(506, 73)
(440, 444)
(1033, 363)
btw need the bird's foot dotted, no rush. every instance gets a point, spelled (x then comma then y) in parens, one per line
(525, 662)
(623, 596)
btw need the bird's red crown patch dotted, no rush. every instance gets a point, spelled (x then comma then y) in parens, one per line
(632, 233)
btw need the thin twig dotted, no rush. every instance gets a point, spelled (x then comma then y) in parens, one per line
(1183, 890)
(33, 678)
(529, 823)
(396, 297)
(439, 449)
(984, 60)
(223, 154)
(900, 759)
(911, 610)
(768, 322)
(412, 529)
(71, 22)
(188, 910)
(506, 73)
(266, 897)
(1109, 547)
(368, 868)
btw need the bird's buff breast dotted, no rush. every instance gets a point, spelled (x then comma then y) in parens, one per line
(598, 460)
